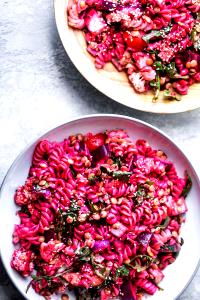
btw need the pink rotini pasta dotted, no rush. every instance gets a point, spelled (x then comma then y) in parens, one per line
(156, 43)
(99, 214)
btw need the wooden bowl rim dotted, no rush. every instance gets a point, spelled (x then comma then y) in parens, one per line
(106, 81)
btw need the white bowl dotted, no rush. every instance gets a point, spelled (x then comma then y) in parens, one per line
(108, 80)
(177, 275)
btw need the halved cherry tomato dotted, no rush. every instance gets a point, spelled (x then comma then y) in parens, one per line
(134, 42)
(95, 141)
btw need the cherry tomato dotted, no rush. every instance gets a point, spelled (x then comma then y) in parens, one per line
(95, 141)
(134, 42)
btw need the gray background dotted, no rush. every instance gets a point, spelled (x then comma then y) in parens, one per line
(40, 89)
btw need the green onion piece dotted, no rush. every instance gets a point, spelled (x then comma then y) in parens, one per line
(172, 95)
(188, 185)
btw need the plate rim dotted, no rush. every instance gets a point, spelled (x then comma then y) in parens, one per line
(90, 116)
(141, 106)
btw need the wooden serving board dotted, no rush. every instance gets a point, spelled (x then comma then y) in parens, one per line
(109, 81)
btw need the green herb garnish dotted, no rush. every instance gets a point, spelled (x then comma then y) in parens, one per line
(48, 278)
(156, 85)
(122, 175)
(156, 33)
(117, 161)
(146, 262)
(140, 195)
(149, 182)
(92, 178)
(170, 248)
(84, 254)
(61, 223)
(122, 271)
(72, 171)
(164, 224)
(172, 95)
(158, 65)
(74, 207)
(24, 209)
(106, 170)
(188, 185)
(170, 69)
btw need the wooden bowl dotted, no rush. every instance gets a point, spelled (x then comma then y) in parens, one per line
(109, 81)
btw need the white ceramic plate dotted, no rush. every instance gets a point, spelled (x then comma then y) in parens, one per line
(177, 275)
(109, 81)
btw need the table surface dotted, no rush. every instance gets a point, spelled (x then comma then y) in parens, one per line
(40, 89)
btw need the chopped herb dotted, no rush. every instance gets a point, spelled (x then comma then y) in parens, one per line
(156, 85)
(48, 278)
(164, 224)
(140, 195)
(178, 76)
(105, 170)
(72, 170)
(28, 286)
(170, 248)
(92, 178)
(141, 191)
(93, 207)
(149, 182)
(159, 288)
(122, 175)
(170, 69)
(152, 51)
(117, 161)
(38, 278)
(156, 33)
(84, 254)
(61, 223)
(180, 218)
(107, 283)
(37, 187)
(171, 94)
(24, 209)
(147, 260)
(122, 271)
(187, 186)
(103, 273)
(158, 65)
(74, 206)
(181, 241)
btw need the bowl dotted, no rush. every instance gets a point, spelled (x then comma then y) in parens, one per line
(109, 81)
(177, 275)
